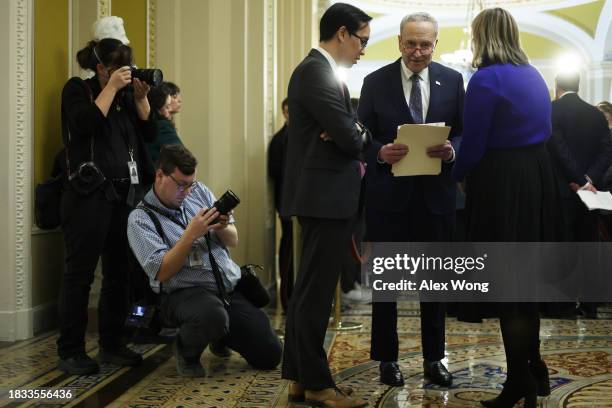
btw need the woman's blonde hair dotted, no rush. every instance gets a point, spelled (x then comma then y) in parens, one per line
(495, 39)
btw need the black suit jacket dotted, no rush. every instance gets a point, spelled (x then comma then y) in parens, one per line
(277, 152)
(322, 179)
(580, 143)
(382, 108)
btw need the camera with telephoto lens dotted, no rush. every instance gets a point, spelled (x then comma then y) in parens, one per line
(153, 77)
(228, 201)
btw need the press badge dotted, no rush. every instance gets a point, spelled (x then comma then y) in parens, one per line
(133, 172)
(195, 257)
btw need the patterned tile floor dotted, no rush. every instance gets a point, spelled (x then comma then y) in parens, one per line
(578, 353)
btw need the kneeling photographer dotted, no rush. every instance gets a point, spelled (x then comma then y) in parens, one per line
(105, 121)
(181, 241)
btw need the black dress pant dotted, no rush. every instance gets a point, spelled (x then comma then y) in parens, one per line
(285, 261)
(324, 245)
(416, 224)
(201, 319)
(93, 227)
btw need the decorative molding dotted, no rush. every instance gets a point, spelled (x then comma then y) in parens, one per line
(21, 143)
(104, 8)
(395, 6)
(544, 25)
(151, 33)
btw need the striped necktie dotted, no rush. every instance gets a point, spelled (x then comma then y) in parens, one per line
(416, 101)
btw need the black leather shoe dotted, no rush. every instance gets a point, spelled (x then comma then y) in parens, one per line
(79, 364)
(436, 373)
(121, 356)
(390, 374)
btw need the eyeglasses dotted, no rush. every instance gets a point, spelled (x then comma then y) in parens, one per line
(183, 187)
(363, 40)
(425, 48)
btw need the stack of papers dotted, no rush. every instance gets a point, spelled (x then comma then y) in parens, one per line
(418, 138)
(601, 200)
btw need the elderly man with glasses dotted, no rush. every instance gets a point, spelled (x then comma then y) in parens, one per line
(415, 90)
(181, 241)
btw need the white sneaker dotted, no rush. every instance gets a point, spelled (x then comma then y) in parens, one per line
(358, 295)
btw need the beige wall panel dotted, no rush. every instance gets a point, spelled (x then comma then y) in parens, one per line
(47, 267)
(214, 50)
(51, 69)
(84, 15)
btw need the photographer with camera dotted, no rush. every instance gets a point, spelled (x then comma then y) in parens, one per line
(180, 236)
(105, 121)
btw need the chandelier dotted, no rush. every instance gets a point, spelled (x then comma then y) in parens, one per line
(461, 59)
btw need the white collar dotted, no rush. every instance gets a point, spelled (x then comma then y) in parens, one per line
(329, 58)
(424, 74)
(567, 92)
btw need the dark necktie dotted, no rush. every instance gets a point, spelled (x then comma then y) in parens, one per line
(416, 102)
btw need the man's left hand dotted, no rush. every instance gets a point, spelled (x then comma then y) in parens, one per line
(443, 151)
(224, 220)
(141, 89)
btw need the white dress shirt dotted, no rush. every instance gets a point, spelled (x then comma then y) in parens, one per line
(423, 83)
(329, 58)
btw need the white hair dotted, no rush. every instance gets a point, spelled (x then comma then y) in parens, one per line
(420, 16)
(110, 27)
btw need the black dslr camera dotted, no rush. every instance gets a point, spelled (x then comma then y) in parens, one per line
(228, 201)
(153, 77)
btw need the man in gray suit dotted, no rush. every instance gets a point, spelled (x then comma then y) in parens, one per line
(322, 187)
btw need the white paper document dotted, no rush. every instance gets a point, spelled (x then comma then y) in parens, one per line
(418, 138)
(602, 200)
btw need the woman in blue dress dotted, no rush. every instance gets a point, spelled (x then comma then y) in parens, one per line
(509, 180)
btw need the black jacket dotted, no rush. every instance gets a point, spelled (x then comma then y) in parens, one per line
(322, 178)
(82, 120)
(277, 151)
(382, 108)
(580, 143)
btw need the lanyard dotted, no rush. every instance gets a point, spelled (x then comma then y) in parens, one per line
(213, 263)
(165, 214)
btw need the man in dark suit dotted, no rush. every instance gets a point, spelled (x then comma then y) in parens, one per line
(413, 89)
(277, 152)
(322, 187)
(581, 151)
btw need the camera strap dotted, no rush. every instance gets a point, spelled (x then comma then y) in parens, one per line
(150, 209)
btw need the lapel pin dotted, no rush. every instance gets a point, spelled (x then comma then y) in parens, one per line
(438, 83)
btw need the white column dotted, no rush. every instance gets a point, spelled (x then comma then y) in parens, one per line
(597, 84)
(15, 156)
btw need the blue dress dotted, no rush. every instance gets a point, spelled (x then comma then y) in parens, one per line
(510, 186)
(505, 106)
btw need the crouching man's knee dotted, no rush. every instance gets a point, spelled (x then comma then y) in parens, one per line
(209, 324)
(268, 354)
